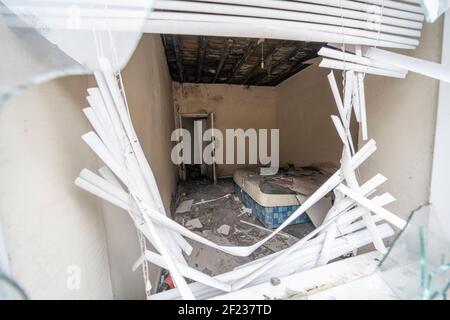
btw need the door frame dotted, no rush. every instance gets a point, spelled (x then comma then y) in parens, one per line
(207, 116)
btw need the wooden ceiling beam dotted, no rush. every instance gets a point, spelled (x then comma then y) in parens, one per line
(201, 57)
(176, 48)
(289, 73)
(278, 64)
(251, 47)
(234, 61)
(257, 68)
(223, 57)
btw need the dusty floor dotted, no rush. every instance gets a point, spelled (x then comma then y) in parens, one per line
(226, 211)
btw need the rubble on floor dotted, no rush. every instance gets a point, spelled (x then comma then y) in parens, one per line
(220, 222)
(193, 224)
(224, 229)
(184, 206)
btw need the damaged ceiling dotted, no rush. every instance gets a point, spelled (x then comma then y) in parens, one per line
(245, 61)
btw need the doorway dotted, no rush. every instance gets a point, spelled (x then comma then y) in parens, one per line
(197, 124)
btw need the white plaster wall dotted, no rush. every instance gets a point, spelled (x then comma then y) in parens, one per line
(48, 223)
(303, 107)
(148, 88)
(401, 119)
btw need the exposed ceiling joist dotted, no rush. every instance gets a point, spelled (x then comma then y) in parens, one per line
(250, 48)
(204, 59)
(201, 56)
(176, 48)
(275, 66)
(267, 62)
(289, 73)
(225, 53)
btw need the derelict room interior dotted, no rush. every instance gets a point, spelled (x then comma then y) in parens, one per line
(229, 134)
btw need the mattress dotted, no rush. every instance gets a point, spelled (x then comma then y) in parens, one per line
(250, 180)
(270, 217)
(274, 198)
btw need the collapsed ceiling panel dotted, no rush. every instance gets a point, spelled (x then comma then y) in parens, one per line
(246, 61)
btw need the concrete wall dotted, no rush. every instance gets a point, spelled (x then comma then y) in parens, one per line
(49, 224)
(233, 107)
(304, 105)
(149, 93)
(401, 115)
